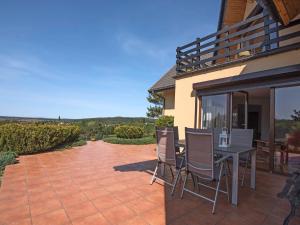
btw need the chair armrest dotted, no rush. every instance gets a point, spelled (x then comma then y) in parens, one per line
(222, 159)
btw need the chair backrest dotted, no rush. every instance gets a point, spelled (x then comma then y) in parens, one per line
(217, 132)
(242, 137)
(166, 148)
(200, 152)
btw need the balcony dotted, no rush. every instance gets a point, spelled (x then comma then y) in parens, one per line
(255, 36)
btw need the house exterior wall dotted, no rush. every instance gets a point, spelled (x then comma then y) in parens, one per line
(289, 31)
(184, 96)
(250, 5)
(169, 105)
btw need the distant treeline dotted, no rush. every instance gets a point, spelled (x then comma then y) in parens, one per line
(91, 128)
(108, 120)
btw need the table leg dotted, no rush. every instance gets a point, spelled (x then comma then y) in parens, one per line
(235, 179)
(253, 169)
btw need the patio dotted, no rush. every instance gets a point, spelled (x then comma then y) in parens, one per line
(108, 184)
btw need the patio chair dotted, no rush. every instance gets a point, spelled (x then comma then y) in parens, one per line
(167, 156)
(242, 137)
(201, 163)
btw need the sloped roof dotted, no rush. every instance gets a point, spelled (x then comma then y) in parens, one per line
(165, 82)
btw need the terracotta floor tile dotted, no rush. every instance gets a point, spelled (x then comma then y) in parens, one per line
(26, 221)
(95, 193)
(125, 195)
(108, 184)
(105, 202)
(41, 196)
(115, 187)
(81, 210)
(73, 199)
(96, 219)
(70, 189)
(89, 185)
(15, 202)
(154, 216)
(156, 197)
(140, 205)
(57, 217)
(118, 214)
(38, 208)
(134, 221)
(14, 215)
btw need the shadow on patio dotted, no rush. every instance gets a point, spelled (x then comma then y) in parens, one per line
(255, 207)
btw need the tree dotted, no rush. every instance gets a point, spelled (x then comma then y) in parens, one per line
(296, 116)
(156, 105)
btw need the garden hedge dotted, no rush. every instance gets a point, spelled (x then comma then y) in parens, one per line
(129, 132)
(165, 121)
(24, 138)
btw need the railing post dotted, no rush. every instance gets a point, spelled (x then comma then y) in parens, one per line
(178, 69)
(227, 50)
(198, 52)
(267, 30)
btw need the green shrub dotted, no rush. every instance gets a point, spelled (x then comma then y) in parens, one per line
(124, 141)
(24, 138)
(129, 132)
(165, 121)
(6, 158)
(149, 129)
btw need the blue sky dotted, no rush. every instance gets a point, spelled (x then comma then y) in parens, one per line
(91, 58)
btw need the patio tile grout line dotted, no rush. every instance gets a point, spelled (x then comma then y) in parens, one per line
(27, 191)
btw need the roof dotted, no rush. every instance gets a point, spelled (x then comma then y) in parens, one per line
(167, 81)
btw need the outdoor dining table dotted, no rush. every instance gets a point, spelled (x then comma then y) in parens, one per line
(235, 152)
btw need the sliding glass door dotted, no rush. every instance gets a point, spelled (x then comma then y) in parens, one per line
(239, 110)
(214, 111)
(287, 129)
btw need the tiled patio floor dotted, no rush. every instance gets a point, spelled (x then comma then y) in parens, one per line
(109, 184)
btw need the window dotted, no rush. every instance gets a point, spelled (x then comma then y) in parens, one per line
(287, 129)
(214, 110)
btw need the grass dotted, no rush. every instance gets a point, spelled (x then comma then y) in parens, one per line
(123, 141)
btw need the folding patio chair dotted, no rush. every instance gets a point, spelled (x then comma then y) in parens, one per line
(166, 155)
(242, 137)
(201, 162)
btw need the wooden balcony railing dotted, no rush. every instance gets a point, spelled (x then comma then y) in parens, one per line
(245, 39)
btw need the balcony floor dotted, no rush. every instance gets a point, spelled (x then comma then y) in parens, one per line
(108, 184)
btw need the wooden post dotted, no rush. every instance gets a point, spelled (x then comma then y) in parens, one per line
(178, 69)
(267, 30)
(198, 52)
(227, 49)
